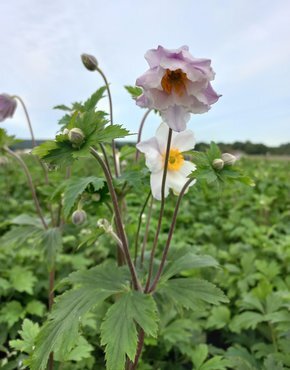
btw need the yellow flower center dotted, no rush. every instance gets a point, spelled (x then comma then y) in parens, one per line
(174, 80)
(175, 160)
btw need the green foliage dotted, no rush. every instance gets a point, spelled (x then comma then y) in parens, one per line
(60, 333)
(134, 91)
(75, 187)
(28, 334)
(206, 171)
(6, 140)
(119, 332)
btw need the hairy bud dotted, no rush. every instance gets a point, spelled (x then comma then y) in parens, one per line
(78, 217)
(218, 164)
(229, 159)
(76, 137)
(90, 62)
(8, 105)
(65, 131)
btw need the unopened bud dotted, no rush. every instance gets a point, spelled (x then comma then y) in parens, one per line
(104, 224)
(65, 131)
(76, 137)
(8, 105)
(90, 62)
(218, 164)
(96, 197)
(78, 217)
(229, 159)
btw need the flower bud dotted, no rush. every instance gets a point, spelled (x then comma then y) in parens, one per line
(65, 131)
(78, 217)
(96, 197)
(76, 137)
(90, 62)
(229, 159)
(8, 105)
(218, 164)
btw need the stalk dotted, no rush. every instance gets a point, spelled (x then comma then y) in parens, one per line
(145, 238)
(118, 219)
(140, 133)
(139, 227)
(161, 212)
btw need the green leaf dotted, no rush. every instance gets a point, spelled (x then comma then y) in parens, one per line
(27, 220)
(20, 235)
(52, 244)
(35, 308)
(28, 334)
(62, 107)
(179, 262)
(75, 187)
(22, 279)
(191, 293)
(94, 99)
(219, 317)
(199, 355)
(246, 320)
(111, 132)
(60, 332)
(119, 332)
(81, 351)
(11, 312)
(134, 91)
(59, 153)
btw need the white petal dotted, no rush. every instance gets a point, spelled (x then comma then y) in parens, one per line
(176, 117)
(187, 168)
(153, 157)
(162, 137)
(184, 141)
(156, 182)
(176, 181)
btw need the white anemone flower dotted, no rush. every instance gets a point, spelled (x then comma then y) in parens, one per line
(178, 168)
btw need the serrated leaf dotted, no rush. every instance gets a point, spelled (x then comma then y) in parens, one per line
(62, 107)
(11, 312)
(58, 153)
(22, 279)
(52, 244)
(119, 332)
(75, 187)
(27, 220)
(111, 132)
(21, 234)
(35, 308)
(60, 332)
(180, 262)
(246, 320)
(94, 99)
(219, 317)
(191, 293)
(134, 91)
(28, 333)
(199, 355)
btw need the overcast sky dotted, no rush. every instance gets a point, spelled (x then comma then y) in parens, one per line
(248, 42)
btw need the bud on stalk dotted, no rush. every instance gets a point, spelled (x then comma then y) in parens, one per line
(90, 62)
(78, 217)
(76, 137)
(218, 164)
(228, 159)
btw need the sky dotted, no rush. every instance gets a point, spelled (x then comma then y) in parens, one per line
(247, 41)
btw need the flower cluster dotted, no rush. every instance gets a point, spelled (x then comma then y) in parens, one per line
(176, 84)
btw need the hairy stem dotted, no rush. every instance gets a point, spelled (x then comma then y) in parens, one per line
(139, 227)
(170, 234)
(140, 132)
(118, 219)
(145, 238)
(111, 119)
(160, 212)
(30, 183)
(141, 337)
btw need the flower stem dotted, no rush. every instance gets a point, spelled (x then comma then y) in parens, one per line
(30, 183)
(27, 118)
(140, 133)
(161, 210)
(139, 227)
(146, 232)
(170, 234)
(111, 119)
(141, 337)
(119, 223)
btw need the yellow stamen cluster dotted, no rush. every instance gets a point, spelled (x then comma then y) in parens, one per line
(174, 80)
(175, 160)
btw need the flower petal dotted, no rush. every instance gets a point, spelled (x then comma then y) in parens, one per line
(176, 117)
(187, 168)
(153, 156)
(156, 183)
(183, 141)
(176, 181)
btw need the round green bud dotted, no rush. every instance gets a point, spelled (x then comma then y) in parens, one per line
(78, 217)
(218, 164)
(76, 137)
(65, 131)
